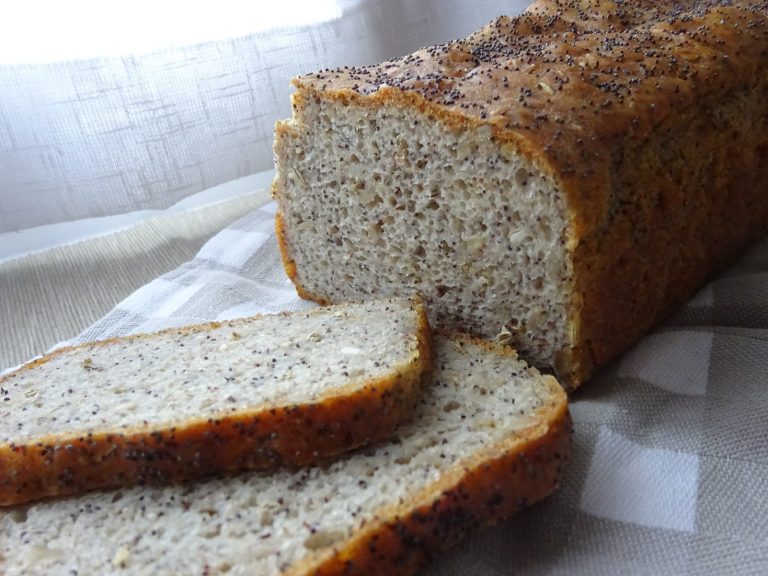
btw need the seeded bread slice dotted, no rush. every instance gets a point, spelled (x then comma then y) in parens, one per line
(489, 436)
(252, 393)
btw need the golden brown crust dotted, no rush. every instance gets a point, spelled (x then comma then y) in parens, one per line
(266, 437)
(513, 474)
(651, 116)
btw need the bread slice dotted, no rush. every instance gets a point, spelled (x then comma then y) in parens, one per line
(489, 436)
(564, 178)
(262, 392)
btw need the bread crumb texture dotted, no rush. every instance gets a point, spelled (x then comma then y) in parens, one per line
(489, 436)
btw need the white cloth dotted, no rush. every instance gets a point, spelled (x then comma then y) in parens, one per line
(670, 456)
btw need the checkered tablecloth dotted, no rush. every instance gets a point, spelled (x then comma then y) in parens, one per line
(670, 466)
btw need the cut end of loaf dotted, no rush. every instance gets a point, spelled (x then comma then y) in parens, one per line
(658, 198)
(381, 200)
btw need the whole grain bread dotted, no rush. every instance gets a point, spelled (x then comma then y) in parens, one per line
(489, 436)
(564, 179)
(262, 392)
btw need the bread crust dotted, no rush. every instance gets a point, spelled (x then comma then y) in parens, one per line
(504, 478)
(652, 118)
(264, 437)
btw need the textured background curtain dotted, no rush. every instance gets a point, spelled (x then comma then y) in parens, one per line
(108, 133)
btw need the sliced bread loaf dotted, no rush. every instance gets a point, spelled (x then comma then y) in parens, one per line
(253, 393)
(488, 437)
(565, 178)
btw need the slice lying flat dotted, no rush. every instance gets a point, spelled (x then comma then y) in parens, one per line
(489, 436)
(254, 393)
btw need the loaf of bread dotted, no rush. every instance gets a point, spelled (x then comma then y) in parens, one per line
(563, 179)
(254, 393)
(489, 436)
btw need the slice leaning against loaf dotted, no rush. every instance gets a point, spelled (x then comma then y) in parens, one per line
(287, 389)
(489, 436)
(566, 178)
